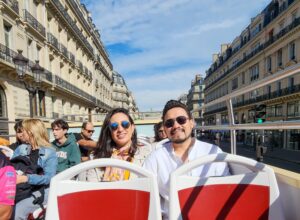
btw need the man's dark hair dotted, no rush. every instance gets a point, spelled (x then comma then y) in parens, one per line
(18, 126)
(175, 104)
(60, 123)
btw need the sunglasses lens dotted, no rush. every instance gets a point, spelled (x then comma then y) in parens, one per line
(169, 123)
(181, 120)
(125, 124)
(114, 126)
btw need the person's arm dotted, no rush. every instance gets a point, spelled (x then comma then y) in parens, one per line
(87, 143)
(49, 168)
(5, 212)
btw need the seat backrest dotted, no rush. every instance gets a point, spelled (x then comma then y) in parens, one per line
(250, 195)
(131, 199)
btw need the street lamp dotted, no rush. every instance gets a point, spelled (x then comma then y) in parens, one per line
(21, 63)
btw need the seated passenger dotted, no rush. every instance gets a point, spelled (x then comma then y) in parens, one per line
(19, 135)
(85, 141)
(181, 148)
(38, 152)
(118, 139)
(67, 150)
(7, 187)
(159, 134)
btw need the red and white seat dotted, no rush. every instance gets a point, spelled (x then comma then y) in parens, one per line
(250, 195)
(133, 199)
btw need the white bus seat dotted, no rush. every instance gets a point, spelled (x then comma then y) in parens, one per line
(134, 199)
(251, 195)
(7, 151)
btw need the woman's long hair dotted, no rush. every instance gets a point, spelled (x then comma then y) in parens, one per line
(105, 142)
(37, 132)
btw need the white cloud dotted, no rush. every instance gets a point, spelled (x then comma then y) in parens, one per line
(174, 39)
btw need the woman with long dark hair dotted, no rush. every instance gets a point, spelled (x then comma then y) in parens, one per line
(118, 139)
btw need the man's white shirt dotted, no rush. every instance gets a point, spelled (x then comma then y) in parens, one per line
(163, 161)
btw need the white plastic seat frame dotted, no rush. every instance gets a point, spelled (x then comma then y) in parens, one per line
(7, 151)
(62, 184)
(178, 182)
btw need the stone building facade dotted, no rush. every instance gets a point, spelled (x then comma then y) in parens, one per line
(270, 44)
(77, 76)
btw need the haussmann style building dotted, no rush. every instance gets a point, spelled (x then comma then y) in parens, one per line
(270, 43)
(52, 63)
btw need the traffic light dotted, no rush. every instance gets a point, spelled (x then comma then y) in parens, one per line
(260, 113)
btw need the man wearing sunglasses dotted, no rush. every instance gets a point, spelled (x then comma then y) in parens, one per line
(85, 141)
(180, 149)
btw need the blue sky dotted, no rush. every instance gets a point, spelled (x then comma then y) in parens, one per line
(159, 45)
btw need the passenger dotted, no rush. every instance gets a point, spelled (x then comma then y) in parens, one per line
(19, 135)
(7, 187)
(40, 151)
(181, 148)
(85, 141)
(118, 139)
(67, 150)
(159, 134)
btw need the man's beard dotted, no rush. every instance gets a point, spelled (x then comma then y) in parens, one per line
(180, 141)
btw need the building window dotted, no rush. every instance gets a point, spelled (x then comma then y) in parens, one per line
(279, 58)
(293, 109)
(3, 104)
(243, 77)
(292, 51)
(291, 83)
(7, 35)
(269, 89)
(269, 63)
(278, 86)
(234, 83)
(254, 72)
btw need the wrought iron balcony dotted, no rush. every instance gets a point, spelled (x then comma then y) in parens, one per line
(13, 4)
(275, 38)
(63, 50)
(34, 23)
(72, 58)
(73, 89)
(268, 19)
(53, 40)
(79, 64)
(7, 55)
(73, 25)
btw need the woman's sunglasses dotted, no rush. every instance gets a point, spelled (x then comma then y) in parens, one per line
(114, 126)
(180, 120)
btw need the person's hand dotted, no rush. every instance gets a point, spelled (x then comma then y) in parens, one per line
(22, 179)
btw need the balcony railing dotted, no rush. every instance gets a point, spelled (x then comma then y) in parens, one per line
(13, 4)
(8, 55)
(63, 50)
(72, 58)
(282, 8)
(79, 64)
(73, 89)
(34, 23)
(53, 40)
(73, 25)
(276, 94)
(283, 32)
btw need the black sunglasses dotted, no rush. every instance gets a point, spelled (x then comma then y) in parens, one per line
(114, 126)
(180, 120)
(90, 131)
